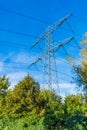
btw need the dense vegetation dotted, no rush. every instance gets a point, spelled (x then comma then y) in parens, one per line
(27, 107)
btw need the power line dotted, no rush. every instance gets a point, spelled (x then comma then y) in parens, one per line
(24, 67)
(25, 16)
(73, 33)
(52, 70)
(64, 74)
(63, 79)
(77, 44)
(65, 51)
(78, 17)
(70, 27)
(33, 36)
(26, 63)
(33, 18)
(14, 44)
(13, 67)
(51, 29)
(10, 44)
(20, 63)
(17, 33)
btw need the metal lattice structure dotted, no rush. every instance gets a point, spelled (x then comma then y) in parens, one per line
(50, 75)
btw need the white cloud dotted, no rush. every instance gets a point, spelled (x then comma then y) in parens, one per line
(23, 57)
(61, 61)
(67, 85)
(65, 88)
(63, 85)
(15, 77)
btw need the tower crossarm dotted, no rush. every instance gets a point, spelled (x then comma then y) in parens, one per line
(54, 49)
(59, 23)
(52, 28)
(61, 44)
(34, 62)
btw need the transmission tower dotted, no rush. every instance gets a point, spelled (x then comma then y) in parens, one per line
(50, 75)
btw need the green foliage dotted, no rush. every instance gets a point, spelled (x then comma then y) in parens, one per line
(23, 99)
(74, 108)
(74, 104)
(81, 69)
(32, 123)
(53, 113)
(76, 123)
(4, 84)
(26, 107)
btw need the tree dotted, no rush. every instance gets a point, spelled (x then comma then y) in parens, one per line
(81, 69)
(74, 112)
(52, 109)
(73, 105)
(23, 99)
(4, 85)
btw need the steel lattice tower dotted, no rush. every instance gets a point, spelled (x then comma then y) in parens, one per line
(50, 75)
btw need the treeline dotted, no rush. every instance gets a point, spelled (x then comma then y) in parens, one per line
(27, 107)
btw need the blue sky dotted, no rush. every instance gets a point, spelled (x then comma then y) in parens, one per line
(15, 52)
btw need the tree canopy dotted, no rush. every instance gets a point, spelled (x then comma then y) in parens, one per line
(28, 106)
